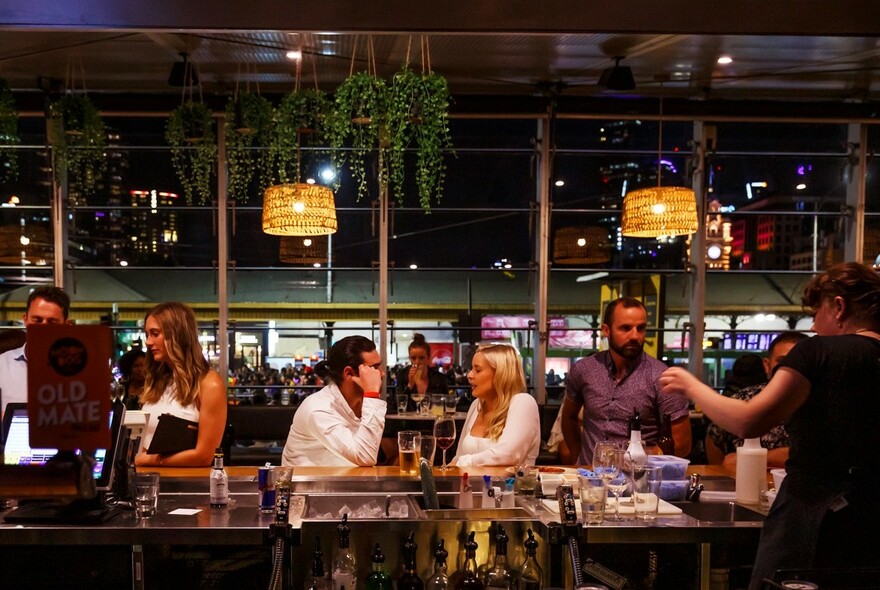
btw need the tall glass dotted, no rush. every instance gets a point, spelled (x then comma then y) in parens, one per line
(409, 444)
(615, 475)
(444, 432)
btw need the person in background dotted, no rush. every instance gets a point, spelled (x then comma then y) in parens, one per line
(45, 305)
(721, 445)
(420, 375)
(825, 390)
(609, 385)
(342, 424)
(747, 371)
(180, 382)
(132, 365)
(503, 425)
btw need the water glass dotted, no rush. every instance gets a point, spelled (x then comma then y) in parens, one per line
(449, 403)
(646, 491)
(146, 494)
(526, 481)
(427, 447)
(594, 493)
(402, 403)
(409, 444)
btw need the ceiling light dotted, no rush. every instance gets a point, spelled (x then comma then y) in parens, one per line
(801, 186)
(560, 183)
(725, 59)
(294, 55)
(413, 266)
(617, 77)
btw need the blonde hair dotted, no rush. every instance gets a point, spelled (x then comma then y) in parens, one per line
(509, 380)
(185, 365)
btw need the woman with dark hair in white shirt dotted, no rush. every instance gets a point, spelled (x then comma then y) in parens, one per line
(503, 426)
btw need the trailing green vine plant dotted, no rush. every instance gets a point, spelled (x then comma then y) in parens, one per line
(80, 149)
(8, 134)
(419, 117)
(302, 119)
(249, 134)
(190, 133)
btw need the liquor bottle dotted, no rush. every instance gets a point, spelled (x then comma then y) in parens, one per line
(439, 581)
(666, 443)
(378, 578)
(344, 565)
(410, 580)
(635, 448)
(317, 581)
(219, 482)
(531, 576)
(499, 575)
(467, 578)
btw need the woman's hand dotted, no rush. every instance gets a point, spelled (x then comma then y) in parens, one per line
(678, 381)
(368, 378)
(414, 375)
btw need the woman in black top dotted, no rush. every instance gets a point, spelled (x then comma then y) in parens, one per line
(825, 390)
(420, 375)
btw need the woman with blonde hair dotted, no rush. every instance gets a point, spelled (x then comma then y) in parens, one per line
(180, 382)
(503, 426)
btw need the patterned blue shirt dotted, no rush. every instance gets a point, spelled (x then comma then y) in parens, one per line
(608, 404)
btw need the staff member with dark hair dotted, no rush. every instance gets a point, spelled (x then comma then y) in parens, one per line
(824, 390)
(342, 424)
(45, 305)
(180, 382)
(132, 365)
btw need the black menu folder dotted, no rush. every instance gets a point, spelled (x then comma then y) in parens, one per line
(173, 435)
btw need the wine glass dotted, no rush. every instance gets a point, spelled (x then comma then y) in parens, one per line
(600, 455)
(417, 396)
(616, 477)
(444, 432)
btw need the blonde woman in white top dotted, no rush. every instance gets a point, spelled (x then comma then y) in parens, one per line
(180, 382)
(503, 426)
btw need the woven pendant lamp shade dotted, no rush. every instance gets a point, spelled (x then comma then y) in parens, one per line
(299, 210)
(581, 245)
(303, 250)
(659, 211)
(36, 250)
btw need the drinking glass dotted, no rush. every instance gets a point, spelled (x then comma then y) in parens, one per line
(646, 482)
(593, 493)
(146, 494)
(526, 481)
(601, 456)
(409, 443)
(417, 397)
(617, 478)
(449, 403)
(402, 402)
(427, 447)
(444, 432)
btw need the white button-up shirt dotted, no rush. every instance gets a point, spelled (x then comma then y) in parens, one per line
(13, 376)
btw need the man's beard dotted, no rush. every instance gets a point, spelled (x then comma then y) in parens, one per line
(630, 351)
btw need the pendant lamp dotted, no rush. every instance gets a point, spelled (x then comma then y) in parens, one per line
(299, 209)
(661, 211)
(304, 250)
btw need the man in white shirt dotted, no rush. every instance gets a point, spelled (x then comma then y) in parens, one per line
(45, 305)
(342, 424)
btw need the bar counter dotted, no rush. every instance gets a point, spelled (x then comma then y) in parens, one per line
(151, 544)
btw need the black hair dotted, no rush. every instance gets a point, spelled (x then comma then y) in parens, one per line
(786, 338)
(626, 302)
(348, 352)
(54, 295)
(126, 361)
(420, 342)
(747, 370)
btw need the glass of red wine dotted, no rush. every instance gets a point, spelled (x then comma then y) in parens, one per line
(444, 434)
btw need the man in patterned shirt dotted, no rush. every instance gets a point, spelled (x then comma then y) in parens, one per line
(610, 385)
(721, 445)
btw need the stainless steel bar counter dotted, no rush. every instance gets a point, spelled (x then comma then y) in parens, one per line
(319, 494)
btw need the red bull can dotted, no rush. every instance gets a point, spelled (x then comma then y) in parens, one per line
(266, 485)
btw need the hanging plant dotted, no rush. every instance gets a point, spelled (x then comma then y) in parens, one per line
(79, 147)
(249, 135)
(359, 122)
(301, 120)
(190, 133)
(419, 117)
(8, 134)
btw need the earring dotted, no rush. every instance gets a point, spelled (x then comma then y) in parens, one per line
(839, 324)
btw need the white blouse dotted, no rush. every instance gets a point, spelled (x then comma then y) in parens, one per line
(519, 443)
(167, 404)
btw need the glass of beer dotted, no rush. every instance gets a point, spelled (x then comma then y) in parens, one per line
(409, 443)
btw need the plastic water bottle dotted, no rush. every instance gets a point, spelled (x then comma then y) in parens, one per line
(751, 471)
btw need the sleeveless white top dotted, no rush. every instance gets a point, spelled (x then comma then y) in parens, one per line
(167, 404)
